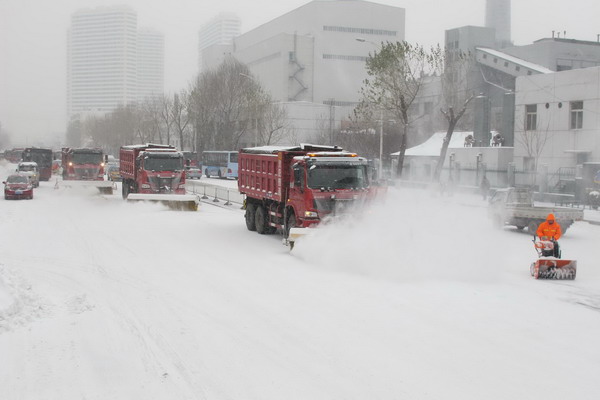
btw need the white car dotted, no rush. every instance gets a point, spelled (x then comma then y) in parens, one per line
(30, 169)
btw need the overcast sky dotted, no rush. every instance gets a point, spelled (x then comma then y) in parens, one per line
(33, 42)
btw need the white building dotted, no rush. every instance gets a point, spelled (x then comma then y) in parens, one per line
(312, 54)
(215, 39)
(101, 59)
(557, 119)
(150, 64)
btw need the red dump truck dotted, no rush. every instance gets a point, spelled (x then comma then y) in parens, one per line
(288, 188)
(155, 172)
(84, 167)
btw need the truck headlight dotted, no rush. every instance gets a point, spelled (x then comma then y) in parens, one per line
(145, 186)
(182, 186)
(311, 214)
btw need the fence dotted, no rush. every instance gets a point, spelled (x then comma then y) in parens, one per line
(214, 192)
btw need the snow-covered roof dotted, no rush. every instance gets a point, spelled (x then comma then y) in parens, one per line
(28, 163)
(433, 145)
(302, 147)
(516, 60)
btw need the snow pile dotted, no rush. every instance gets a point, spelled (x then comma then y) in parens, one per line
(18, 303)
(413, 236)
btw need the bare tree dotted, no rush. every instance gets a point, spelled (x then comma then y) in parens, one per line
(226, 103)
(181, 116)
(534, 141)
(275, 124)
(151, 111)
(166, 116)
(453, 68)
(395, 76)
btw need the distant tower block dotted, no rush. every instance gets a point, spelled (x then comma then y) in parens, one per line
(497, 16)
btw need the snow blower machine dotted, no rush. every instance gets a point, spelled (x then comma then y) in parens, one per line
(549, 264)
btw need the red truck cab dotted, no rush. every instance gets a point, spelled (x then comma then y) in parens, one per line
(84, 164)
(289, 187)
(152, 169)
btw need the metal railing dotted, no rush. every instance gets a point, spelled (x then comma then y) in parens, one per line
(215, 193)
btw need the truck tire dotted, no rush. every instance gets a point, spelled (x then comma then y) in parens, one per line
(262, 222)
(250, 217)
(532, 227)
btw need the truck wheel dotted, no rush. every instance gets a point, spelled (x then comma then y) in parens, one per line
(250, 217)
(125, 190)
(206, 173)
(219, 175)
(532, 227)
(261, 221)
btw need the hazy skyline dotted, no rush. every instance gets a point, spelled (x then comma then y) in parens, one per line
(33, 42)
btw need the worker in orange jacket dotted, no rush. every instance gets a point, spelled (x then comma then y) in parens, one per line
(550, 230)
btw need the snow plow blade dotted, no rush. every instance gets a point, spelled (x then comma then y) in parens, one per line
(554, 268)
(296, 234)
(105, 187)
(182, 202)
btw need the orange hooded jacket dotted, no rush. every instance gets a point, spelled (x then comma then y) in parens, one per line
(551, 230)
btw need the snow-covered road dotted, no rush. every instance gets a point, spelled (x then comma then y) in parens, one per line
(422, 299)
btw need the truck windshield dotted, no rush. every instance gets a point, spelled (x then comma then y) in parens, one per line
(337, 176)
(163, 163)
(87, 158)
(26, 168)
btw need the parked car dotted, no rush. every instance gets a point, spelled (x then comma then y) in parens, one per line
(30, 169)
(192, 172)
(113, 173)
(18, 186)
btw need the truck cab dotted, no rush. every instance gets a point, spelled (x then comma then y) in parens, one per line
(325, 185)
(83, 164)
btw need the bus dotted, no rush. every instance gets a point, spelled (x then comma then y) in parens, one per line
(43, 158)
(223, 164)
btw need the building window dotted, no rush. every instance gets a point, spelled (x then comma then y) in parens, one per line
(362, 31)
(531, 117)
(576, 114)
(517, 68)
(344, 58)
(506, 63)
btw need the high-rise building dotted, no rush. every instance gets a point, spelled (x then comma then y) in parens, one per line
(102, 59)
(497, 16)
(150, 64)
(218, 33)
